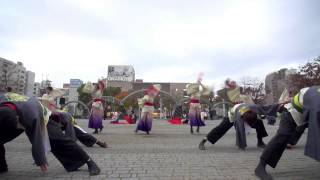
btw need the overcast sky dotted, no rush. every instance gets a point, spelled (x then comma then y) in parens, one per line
(165, 40)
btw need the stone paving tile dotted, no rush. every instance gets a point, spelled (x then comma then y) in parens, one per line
(169, 153)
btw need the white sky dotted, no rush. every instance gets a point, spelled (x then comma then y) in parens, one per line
(165, 40)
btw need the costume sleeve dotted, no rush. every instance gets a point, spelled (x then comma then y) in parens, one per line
(35, 136)
(192, 88)
(33, 121)
(233, 94)
(88, 88)
(141, 101)
(205, 90)
(241, 140)
(66, 120)
(270, 110)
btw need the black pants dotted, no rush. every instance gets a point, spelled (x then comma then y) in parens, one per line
(297, 134)
(65, 149)
(260, 129)
(216, 133)
(8, 132)
(275, 148)
(85, 138)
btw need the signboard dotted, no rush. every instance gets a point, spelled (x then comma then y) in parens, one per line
(120, 73)
(75, 83)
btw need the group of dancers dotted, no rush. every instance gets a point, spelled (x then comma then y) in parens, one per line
(194, 90)
(48, 129)
(51, 129)
(297, 113)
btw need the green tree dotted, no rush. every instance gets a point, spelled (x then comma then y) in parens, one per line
(84, 97)
(131, 102)
(112, 91)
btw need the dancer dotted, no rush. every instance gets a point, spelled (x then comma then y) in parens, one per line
(64, 146)
(177, 117)
(146, 103)
(238, 116)
(97, 110)
(83, 136)
(20, 113)
(132, 118)
(30, 120)
(48, 100)
(231, 93)
(195, 91)
(303, 109)
(122, 114)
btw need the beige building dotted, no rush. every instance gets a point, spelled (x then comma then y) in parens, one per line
(125, 86)
(36, 89)
(276, 82)
(12, 75)
(73, 89)
(122, 76)
(29, 85)
(174, 89)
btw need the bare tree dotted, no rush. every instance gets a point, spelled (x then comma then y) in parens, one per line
(253, 87)
(308, 74)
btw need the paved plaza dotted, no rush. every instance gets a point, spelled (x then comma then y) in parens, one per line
(170, 152)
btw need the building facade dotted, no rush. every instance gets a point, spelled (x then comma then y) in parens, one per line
(12, 75)
(73, 89)
(36, 89)
(276, 82)
(174, 89)
(122, 76)
(43, 85)
(29, 85)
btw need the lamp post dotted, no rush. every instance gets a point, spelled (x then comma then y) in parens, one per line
(161, 112)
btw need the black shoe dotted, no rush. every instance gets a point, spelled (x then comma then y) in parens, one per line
(3, 170)
(261, 173)
(191, 130)
(148, 132)
(201, 145)
(93, 168)
(95, 131)
(101, 129)
(261, 145)
(198, 130)
(102, 144)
